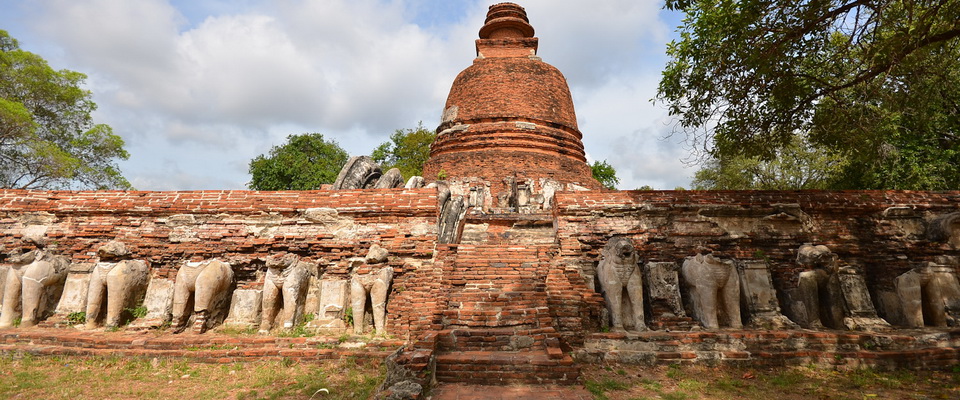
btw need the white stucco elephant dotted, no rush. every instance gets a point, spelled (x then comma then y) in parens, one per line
(114, 281)
(208, 283)
(287, 280)
(819, 288)
(619, 273)
(27, 284)
(375, 286)
(714, 286)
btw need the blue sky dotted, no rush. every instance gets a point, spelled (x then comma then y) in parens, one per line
(198, 88)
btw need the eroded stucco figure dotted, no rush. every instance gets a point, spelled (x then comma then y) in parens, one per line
(287, 280)
(714, 289)
(759, 297)
(819, 288)
(116, 279)
(945, 228)
(620, 279)
(376, 286)
(360, 172)
(32, 277)
(930, 295)
(208, 283)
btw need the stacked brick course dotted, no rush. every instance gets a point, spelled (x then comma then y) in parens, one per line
(881, 232)
(508, 301)
(241, 227)
(509, 114)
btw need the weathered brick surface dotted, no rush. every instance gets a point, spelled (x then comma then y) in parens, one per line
(509, 114)
(492, 368)
(207, 348)
(243, 227)
(929, 349)
(882, 232)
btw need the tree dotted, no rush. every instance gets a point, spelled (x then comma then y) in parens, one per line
(406, 150)
(800, 165)
(876, 81)
(305, 162)
(47, 137)
(605, 174)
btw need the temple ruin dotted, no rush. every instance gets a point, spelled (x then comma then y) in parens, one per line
(494, 266)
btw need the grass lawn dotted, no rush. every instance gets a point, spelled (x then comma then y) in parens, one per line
(33, 378)
(697, 382)
(126, 378)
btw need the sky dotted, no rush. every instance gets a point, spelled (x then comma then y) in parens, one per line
(198, 88)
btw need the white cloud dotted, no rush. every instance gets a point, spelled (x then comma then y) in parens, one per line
(199, 88)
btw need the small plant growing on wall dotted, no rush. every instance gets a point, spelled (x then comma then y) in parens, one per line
(76, 318)
(348, 316)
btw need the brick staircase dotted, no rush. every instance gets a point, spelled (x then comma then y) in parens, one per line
(497, 328)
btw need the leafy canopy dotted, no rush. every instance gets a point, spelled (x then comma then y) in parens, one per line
(305, 162)
(875, 82)
(406, 150)
(605, 174)
(47, 137)
(799, 165)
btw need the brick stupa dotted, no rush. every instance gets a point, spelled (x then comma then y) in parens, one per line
(509, 118)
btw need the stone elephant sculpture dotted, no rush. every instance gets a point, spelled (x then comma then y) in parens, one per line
(819, 288)
(619, 273)
(377, 285)
(115, 282)
(208, 283)
(28, 282)
(287, 279)
(714, 286)
(929, 295)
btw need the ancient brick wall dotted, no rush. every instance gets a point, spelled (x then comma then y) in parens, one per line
(240, 227)
(881, 232)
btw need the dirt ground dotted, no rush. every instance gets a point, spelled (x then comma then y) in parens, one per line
(29, 377)
(618, 382)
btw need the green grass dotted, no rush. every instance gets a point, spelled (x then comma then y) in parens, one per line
(125, 378)
(599, 388)
(676, 382)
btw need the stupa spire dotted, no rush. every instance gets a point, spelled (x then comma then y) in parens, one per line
(509, 117)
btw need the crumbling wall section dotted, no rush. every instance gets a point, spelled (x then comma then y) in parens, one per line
(883, 233)
(240, 227)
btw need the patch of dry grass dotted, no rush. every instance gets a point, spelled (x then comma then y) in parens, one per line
(621, 382)
(34, 378)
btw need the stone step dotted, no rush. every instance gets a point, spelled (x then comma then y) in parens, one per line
(504, 368)
(123, 340)
(495, 339)
(207, 348)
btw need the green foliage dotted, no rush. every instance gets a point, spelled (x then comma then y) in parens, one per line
(799, 165)
(303, 163)
(674, 372)
(605, 174)
(138, 311)
(406, 150)
(599, 388)
(47, 136)
(76, 318)
(348, 316)
(877, 83)
(300, 329)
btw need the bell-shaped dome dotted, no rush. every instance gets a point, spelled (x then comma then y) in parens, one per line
(509, 114)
